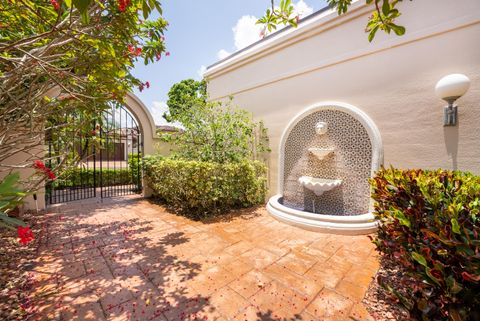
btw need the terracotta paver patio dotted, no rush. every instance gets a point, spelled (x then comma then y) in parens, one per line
(130, 259)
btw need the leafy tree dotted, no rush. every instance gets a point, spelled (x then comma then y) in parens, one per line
(65, 60)
(382, 18)
(183, 96)
(218, 132)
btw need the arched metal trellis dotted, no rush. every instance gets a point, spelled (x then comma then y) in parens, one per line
(104, 160)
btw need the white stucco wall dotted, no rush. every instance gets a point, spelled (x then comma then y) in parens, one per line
(145, 121)
(392, 80)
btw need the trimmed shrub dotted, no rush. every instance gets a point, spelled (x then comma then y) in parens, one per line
(135, 165)
(134, 161)
(77, 176)
(85, 177)
(200, 189)
(430, 226)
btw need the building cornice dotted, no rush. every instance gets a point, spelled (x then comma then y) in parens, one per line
(322, 24)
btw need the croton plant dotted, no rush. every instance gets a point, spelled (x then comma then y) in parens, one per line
(430, 225)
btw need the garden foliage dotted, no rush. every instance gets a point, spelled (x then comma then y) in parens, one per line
(68, 60)
(74, 177)
(183, 96)
(89, 177)
(218, 132)
(200, 188)
(10, 197)
(430, 226)
(134, 161)
(383, 17)
(214, 165)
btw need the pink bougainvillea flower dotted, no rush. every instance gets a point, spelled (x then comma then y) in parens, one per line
(25, 234)
(159, 56)
(38, 164)
(167, 53)
(138, 51)
(147, 84)
(131, 49)
(141, 87)
(55, 4)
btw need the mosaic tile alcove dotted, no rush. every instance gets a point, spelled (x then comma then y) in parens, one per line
(351, 162)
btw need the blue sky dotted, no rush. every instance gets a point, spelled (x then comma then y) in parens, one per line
(199, 34)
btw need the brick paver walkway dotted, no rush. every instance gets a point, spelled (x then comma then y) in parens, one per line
(129, 259)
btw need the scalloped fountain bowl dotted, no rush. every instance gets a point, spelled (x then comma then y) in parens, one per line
(321, 153)
(319, 185)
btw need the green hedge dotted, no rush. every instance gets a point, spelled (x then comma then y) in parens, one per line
(134, 161)
(78, 177)
(200, 189)
(74, 177)
(430, 226)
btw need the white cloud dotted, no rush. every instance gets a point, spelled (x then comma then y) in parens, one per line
(159, 107)
(302, 9)
(201, 71)
(222, 54)
(247, 31)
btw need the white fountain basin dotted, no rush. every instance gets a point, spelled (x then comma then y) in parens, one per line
(320, 153)
(337, 224)
(319, 185)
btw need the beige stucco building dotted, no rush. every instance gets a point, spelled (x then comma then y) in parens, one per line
(328, 60)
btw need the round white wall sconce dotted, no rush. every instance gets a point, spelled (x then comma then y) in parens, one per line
(450, 88)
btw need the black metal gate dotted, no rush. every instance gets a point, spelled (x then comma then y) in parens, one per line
(103, 160)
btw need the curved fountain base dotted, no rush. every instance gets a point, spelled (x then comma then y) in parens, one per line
(336, 224)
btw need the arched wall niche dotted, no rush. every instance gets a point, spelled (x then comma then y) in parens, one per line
(358, 153)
